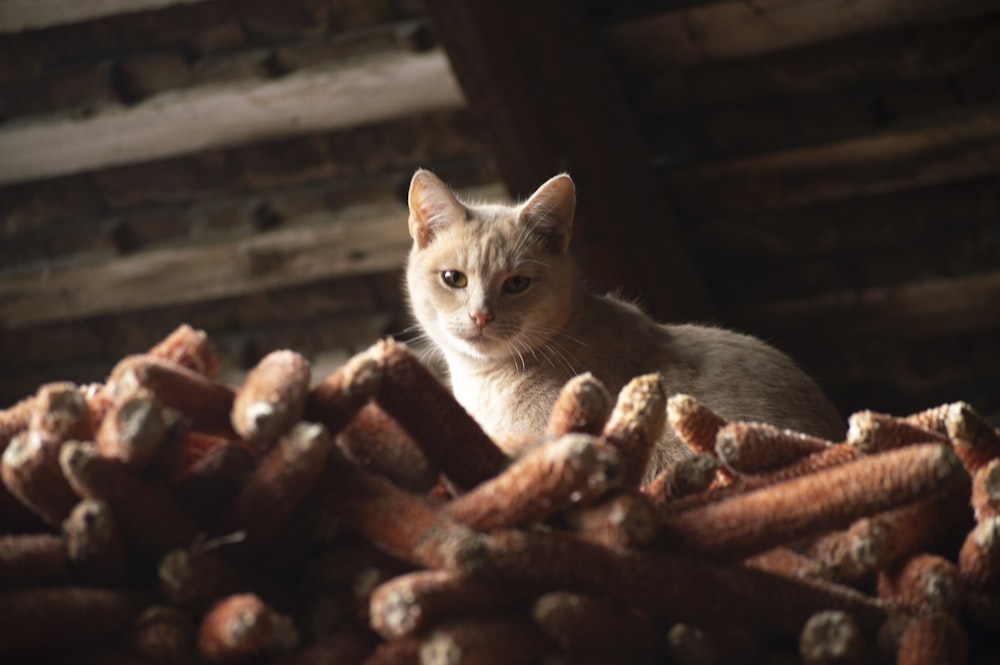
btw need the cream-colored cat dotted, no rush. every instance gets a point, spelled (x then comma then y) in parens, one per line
(496, 291)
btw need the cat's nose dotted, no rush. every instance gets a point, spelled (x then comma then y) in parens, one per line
(481, 318)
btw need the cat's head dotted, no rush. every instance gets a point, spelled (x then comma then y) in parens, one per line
(491, 281)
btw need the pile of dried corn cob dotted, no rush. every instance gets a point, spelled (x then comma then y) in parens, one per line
(164, 517)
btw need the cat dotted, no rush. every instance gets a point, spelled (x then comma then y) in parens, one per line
(496, 291)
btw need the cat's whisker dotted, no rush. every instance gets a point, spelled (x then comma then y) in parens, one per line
(566, 360)
(511, 346)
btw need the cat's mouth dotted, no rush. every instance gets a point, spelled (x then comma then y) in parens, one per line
(481, 342)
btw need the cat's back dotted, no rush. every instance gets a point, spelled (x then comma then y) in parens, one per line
(741, 377)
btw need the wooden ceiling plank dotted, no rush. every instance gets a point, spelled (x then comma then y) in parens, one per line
(735, 29)
(961, 148)
(23, 15)
(539, 82)
(355, 241)
(379, 87)
(917, 309)
(196, 273)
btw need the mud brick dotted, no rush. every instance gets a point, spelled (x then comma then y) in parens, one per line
(149, 73)
(233, 66)
(340, 14)
(284, 162)
(83, 88)
(169, 181)
(23, 100)
(219, 37)
(454, 132)
(301, 54)
(269, 19)
(357, 151)
(35, 206)
(175, 25)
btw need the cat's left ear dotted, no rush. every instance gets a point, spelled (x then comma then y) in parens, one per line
(550, 211)
(432, 206)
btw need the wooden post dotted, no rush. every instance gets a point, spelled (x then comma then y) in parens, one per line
(538, 80)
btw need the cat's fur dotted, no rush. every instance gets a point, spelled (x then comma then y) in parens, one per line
(508, 353)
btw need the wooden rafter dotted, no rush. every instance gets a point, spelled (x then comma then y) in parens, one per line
(541, 86)
(19, 15)
(736, 29)
(349, 242)
(375, 88)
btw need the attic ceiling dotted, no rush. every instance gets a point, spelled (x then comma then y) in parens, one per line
(823, 174)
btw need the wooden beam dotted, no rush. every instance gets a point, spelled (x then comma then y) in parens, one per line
(964, 146)
(738, 29)
(372, 89)
(190, 274)
(865, 63)
(22, 15)
(357, 241)
(541, 86)
(919, 309)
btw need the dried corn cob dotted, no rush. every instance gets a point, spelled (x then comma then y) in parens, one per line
(833, 638)
(44, 621)
(986, 491)
(33, 560)
(272, 398)
(933, 639)
(95, 544)
(786, 561)
(448, 435)
(376, 441)
(624, 519)
(210, 483)
(161, 635)
(635, 425)
(573, 468)
(876, 542)
(580, 623)
(759, 447)
(583, 407)
(489, 640)
(190, 348)
(400, 523)
(279, 484)
(874, 432)
(414, 602)
(689, 475)
(697, 427)
(979, 559)
(666, 585)
(975, 440)
(147, 517)
(14, 420)
(923, 583)
(137, 429)
(242, 627)
(812, 504)
(206, 404)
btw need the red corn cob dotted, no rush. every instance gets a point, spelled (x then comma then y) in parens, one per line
(583, 407)
(272, 398)
(815, 503)
(636, 424)
(190, 348)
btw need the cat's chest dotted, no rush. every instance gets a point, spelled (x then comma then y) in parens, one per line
(505, 402)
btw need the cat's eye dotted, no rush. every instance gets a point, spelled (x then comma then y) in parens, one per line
(454, 279)
(516, 284)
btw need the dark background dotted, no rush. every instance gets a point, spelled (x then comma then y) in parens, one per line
(825, 175)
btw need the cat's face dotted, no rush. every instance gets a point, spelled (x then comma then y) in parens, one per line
(490, 282)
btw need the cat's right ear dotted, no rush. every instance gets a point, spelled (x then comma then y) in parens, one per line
(432, 207)
(550, 210)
